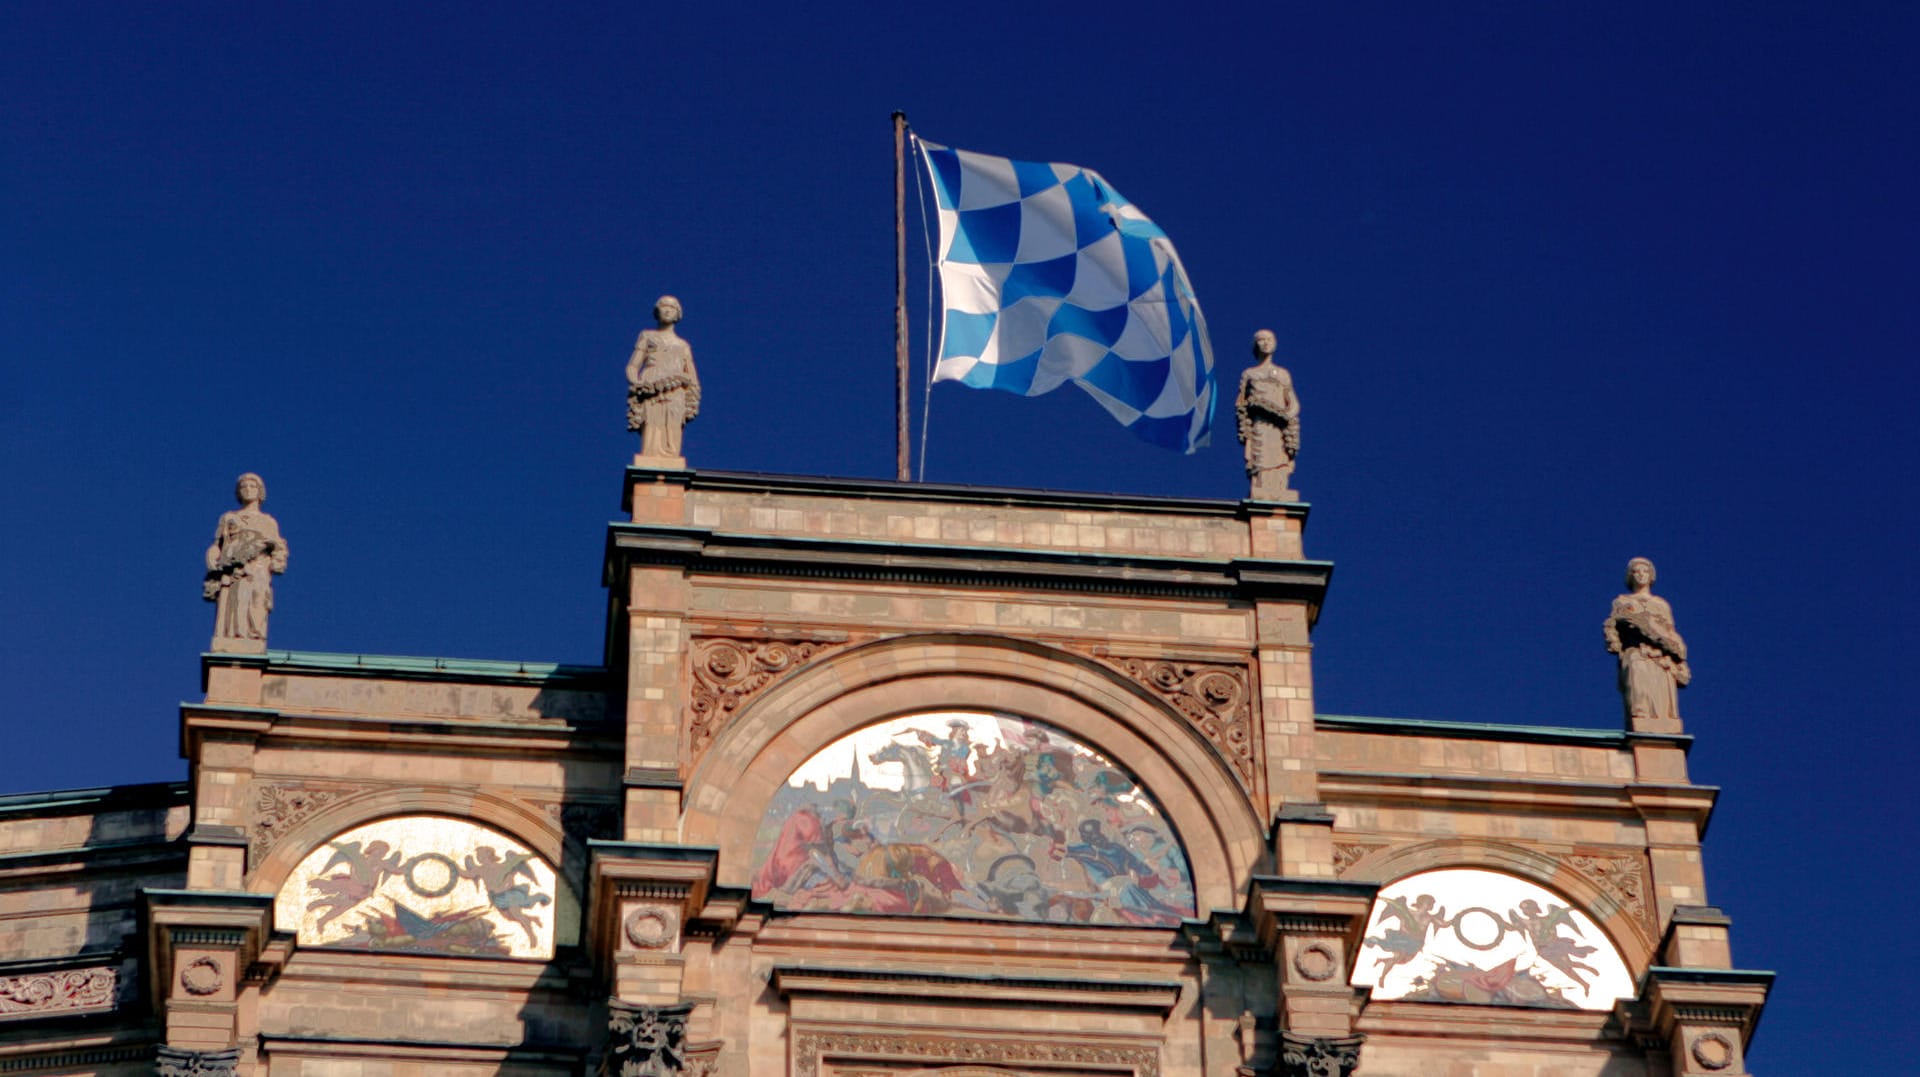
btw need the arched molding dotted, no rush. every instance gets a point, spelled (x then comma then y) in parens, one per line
(1629, 934)
(525, 823)
(731, 787)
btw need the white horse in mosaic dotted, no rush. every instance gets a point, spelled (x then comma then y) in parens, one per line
(919, 798)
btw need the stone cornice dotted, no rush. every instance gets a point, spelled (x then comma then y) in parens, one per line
(113, 798)
(405, 668)
(555, 734)
(1155, 996)
(938, 564)
(1402, 787)
(1278, 906)
(1672, 998)
(749, 482)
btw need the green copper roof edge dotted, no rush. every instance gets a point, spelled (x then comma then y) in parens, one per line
(111, 797)
(390, 663)
(1434, 727)
(1674, 972)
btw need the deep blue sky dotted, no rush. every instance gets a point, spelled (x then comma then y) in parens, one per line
(1556, 288)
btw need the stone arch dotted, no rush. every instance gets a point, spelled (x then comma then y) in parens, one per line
(783, 726)
(1630, 933)
(521, 821)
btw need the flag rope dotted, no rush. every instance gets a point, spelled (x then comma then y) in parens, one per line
(926, 244)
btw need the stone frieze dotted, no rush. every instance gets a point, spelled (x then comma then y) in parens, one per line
(42, 994)
(811, 1049)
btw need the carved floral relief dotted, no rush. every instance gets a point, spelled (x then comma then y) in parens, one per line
(727, 673)
(65, 991)
(1216, 698)
(277, 809)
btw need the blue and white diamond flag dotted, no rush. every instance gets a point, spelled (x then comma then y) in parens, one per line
(1050, 275)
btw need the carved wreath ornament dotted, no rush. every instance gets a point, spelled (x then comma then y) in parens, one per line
(1214, 697)
(202, 977)
(727, 672)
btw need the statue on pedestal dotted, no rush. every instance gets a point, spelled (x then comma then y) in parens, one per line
(246, 554)
(1653, 657)
(663, 392)
(1269, 421)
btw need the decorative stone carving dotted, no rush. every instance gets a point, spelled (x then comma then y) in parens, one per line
(1653, 657)
(1712, 1050)
(1621, 877)
(1269, 422)
(646, 1041)
(277, 809)
(651, 927)
(38, 994)
(178, 1062)
(246, 554)
(202, 976)
(1213, 696)
(1308, 1056)
(727, 673)
(1348, 853)
(663, 392)
(811, 1048)
(1317, 962)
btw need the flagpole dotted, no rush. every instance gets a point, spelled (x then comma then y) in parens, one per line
(900, 288)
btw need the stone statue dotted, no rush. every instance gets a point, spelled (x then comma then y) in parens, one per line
(663, 392)
(1653, 657)
(1269, 419)
(247, 552)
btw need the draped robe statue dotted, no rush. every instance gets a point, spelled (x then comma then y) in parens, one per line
(1269, 422)
(1653, 657)
(246, 554)
(663, 392)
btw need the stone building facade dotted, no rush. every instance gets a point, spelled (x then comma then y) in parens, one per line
(876, 779)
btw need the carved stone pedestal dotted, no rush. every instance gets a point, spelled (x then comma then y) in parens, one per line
(203, 943)
(1701, 1019)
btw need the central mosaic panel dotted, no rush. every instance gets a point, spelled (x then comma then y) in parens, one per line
(972, 815)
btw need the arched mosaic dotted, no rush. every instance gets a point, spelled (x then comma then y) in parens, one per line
(427, 884)
(970, 814)
(1476, 936)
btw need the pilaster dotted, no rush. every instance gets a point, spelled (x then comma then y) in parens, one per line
(1283, 653)
(643, 898)
(653, 610)
(201, 945)
(1313, 928)
(218, 740)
